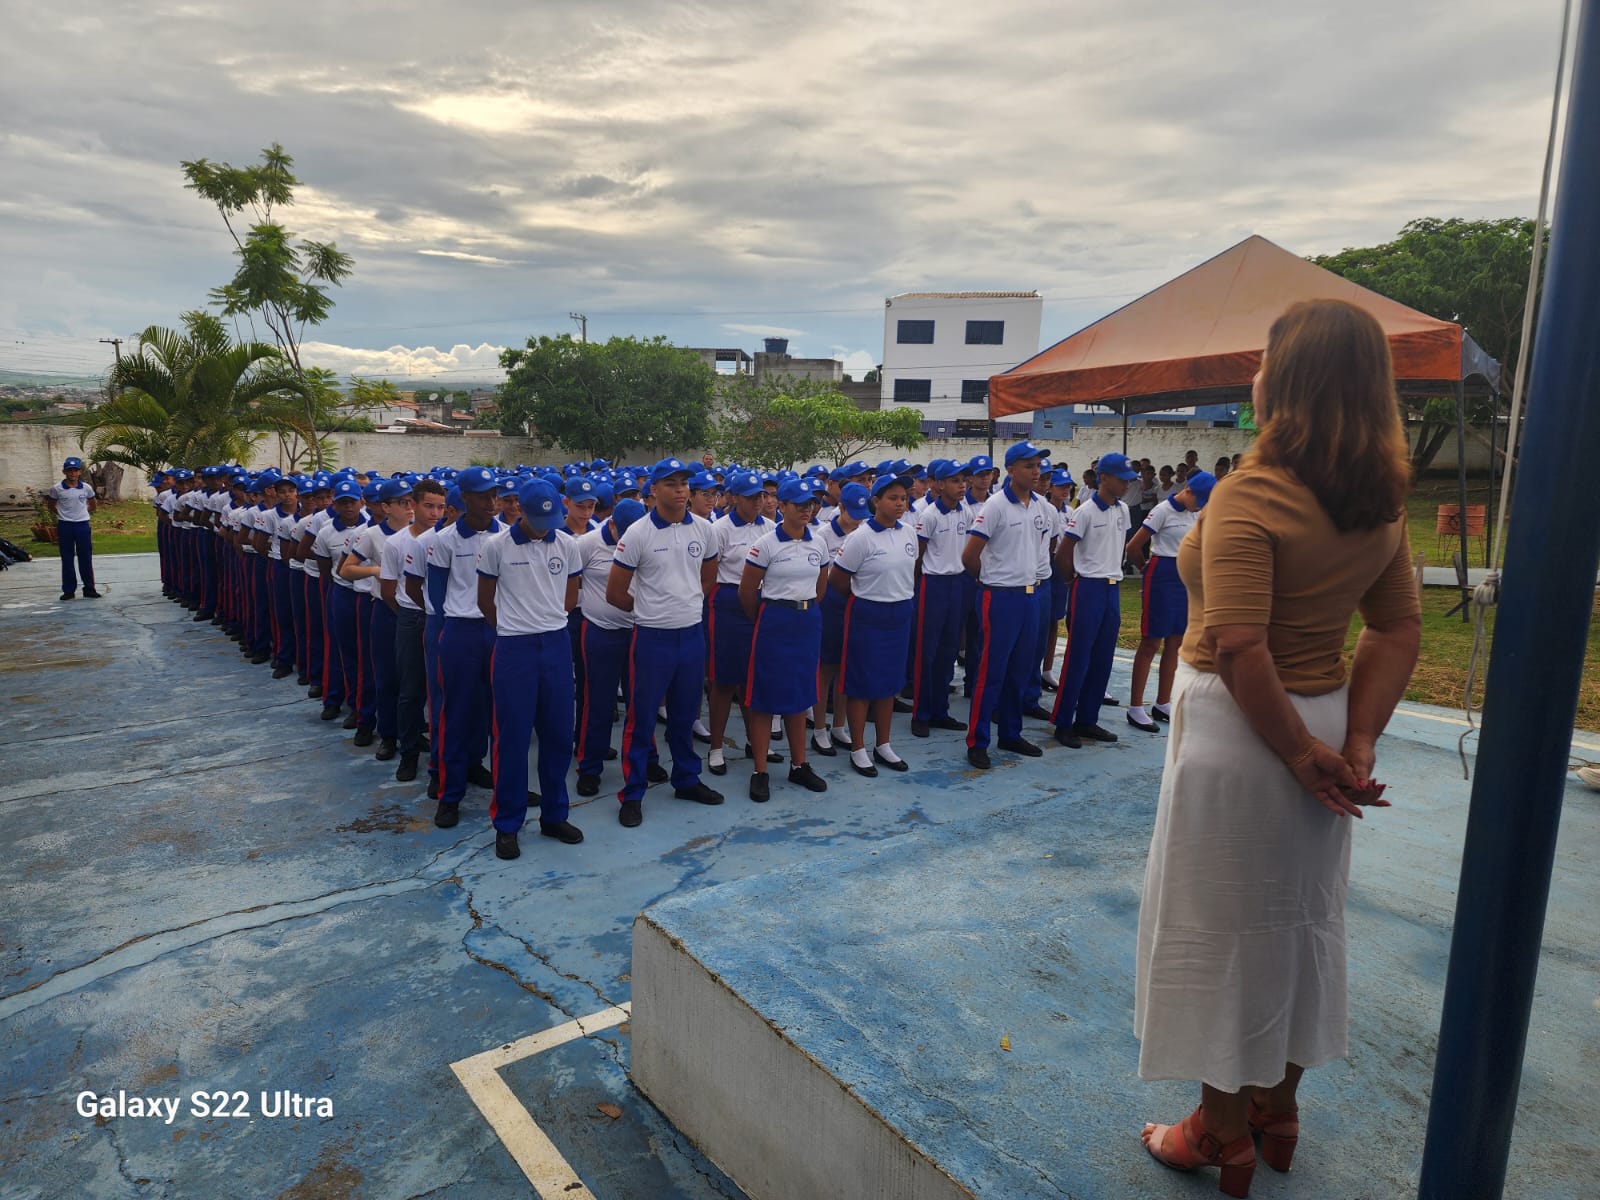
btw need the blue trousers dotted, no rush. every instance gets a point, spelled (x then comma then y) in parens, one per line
(210, 586)
(432, 630)
(77, 555)
(385, 673)
(366, 702)
(163, 555)
(310, 626)
(411, 678)
(670, 665)
(605, 662)
(1000, 660)
(333, 693)
(939, 614)
(297, 607)
(344, 653)
(1034, 688)
(1095, 613)
(282, 613)
(466, 647)
(971, 597)
(533, 690)
(260, 633)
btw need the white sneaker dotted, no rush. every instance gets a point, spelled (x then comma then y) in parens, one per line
(1591, 776)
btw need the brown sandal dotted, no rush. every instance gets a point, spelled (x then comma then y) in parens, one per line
(1198, 1147)
(1280, 1132)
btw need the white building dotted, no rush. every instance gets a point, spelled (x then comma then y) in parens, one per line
(940, 348)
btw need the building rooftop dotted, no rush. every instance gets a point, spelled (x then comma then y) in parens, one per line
(966, 296)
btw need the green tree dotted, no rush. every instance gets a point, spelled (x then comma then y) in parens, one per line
(1472, 272)
(783, 421)
(303, 419)
(280, 281)
(188, 396)
(604, 399)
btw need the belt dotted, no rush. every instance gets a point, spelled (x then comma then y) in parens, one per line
(1026, 589)
(797, 605)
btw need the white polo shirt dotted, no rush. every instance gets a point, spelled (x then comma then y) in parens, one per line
(1017, 536)
(279, 525)
(790, 566)
(416, 565)
(167, 502)
(453, 556)
(944, 532)
(1168, 523)
(882, 561)
(244, 520)
(1100, 531)
(368, 550)
(72, 503)
(596, 549)
(733, 541)
(333, 543)
(396, 552)
(532, 572)
(313, 523)
(664, 558)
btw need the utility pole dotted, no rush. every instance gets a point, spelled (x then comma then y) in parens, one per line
(116, 344)
(583, 324)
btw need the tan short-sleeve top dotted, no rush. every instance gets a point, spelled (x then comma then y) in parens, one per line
(1264, 552)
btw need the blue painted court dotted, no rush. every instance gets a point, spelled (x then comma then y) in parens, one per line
(209, 890)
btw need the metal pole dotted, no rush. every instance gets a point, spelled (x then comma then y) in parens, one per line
(1124, 429)
(1532, 690)
(1461, 493)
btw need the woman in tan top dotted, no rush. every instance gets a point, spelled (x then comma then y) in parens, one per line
(1241, 956)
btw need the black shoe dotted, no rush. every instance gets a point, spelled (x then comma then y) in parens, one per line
(69, 595)
(777, 734)
(896, 765)
(631, 813)
(505, 845)
(700, 793)
(1147, 726)
(716, 768)
(588, 785)
(1111, 702)
(1160, 716)
(656, 773)
(352, 719)
(364, 737)
(919, 728)
(257, 659)
(202, 615)
(978, 757)
(281, 672)
(314, 692)
(869, 771)
(1068, 739)
(90, 594)
(760, 787)
(1020, 746)
(433, 785)
(704, 738)
(407, 770)
(1098, 733)
(611, 754)
(828, 751)
(217, 620)
(903, 706)
(564, 832)
(446, 815)
(302, 680)
(1038, 714)
(479, 775)
(950, 723)
(807, 778)
(330, 712)
(773, 754)
(387, 749)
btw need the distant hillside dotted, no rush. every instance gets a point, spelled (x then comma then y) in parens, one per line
(39, 379)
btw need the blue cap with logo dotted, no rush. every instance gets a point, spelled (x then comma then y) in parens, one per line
(853, 501)
(884, 482)
(347, 489)
(1022, 450)
(477, 479)
(1061, 477)
(72, 464)
(1116, 465)
(797, 491)
(626, 513)
(703, 481)
(667, 468)
(579, 487)
(542, 506)
(393, 489)
(946, 468)
(980, 462)
(745, 483)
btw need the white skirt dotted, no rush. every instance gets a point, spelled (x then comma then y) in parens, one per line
(1241, 961)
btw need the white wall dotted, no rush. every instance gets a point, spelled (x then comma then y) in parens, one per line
(949, 360)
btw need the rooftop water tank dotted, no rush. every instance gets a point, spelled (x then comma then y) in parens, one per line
(777, 345)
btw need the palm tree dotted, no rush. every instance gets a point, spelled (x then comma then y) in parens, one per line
(188, 396)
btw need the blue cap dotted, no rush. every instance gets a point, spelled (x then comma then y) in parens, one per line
(477, 479)
(667, 468)
(1201, 483)
(599, 464)
(452, 499)
(626, 513)
(704, 481)
(745, 483)
(626, 484)
(604, 495)
(851, 469)
(816, 471)
(884, 482)
(369, 493)
(393, 489)
(347, 489)
(980, 462)
(1061, 477)
(796, 491)
(1023, 449)
(579, 487)
(158, 478)
(1116, 465)
(853, 500)
(542, 506)
(72, 464)
(946, 468)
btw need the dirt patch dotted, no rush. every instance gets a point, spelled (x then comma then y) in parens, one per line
(393, 818)
(331, 1178)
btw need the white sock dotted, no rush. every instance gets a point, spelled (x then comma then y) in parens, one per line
(1164, 709)
(1136, 711)
(661, 713)
(700, 728)
(823, 738)
(777, 723)
(715, 757)
(1049, 675)
(886, 752)
(861, 757)
(841, 735)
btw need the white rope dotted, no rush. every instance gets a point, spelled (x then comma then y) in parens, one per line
(1487, 594)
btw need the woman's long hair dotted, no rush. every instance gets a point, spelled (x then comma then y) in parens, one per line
(1331, 413)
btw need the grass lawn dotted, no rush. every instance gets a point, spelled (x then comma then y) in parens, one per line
(126, 527)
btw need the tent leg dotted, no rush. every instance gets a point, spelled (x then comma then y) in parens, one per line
(1535, 669)
(1461, 492)
(1124, 431)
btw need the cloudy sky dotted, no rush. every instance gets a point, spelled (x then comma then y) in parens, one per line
(715, 173)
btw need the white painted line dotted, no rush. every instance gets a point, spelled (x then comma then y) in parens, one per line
(549, 1173)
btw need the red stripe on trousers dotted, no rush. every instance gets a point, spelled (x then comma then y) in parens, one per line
(633, 710)
(1072, 614)
(438, 670)
(583, 720)
(494, 731)
(975, 714)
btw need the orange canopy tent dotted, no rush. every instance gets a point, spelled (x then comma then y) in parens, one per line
(1198, 340)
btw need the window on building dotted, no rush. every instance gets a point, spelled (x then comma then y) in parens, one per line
(913, 391)
(915, 333)
(984, 333)
(974, 391)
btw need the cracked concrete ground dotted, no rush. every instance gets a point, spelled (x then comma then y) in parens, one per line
(209, 889)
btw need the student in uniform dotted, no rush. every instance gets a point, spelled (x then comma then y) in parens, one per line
(603, 646)
(849, 515)
(411, 689)
(365, 566)
(279, 526)
(465, 645)
(1090, 557)
(71, 501)
(781, 592)
(1166, 604)
(315, 603)
(876, 570)
(941, 525)
(341, 669)
(429, 593)
(656, 575)
(581, 495)
(728, 628)
(1002, 553)
(980, 476)
(528, 578)
(1060, 497)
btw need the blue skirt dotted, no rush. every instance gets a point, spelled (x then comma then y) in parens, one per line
(728, 632)
(832, 628)
(876, 633)
(783, 660)
(1166, 600)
